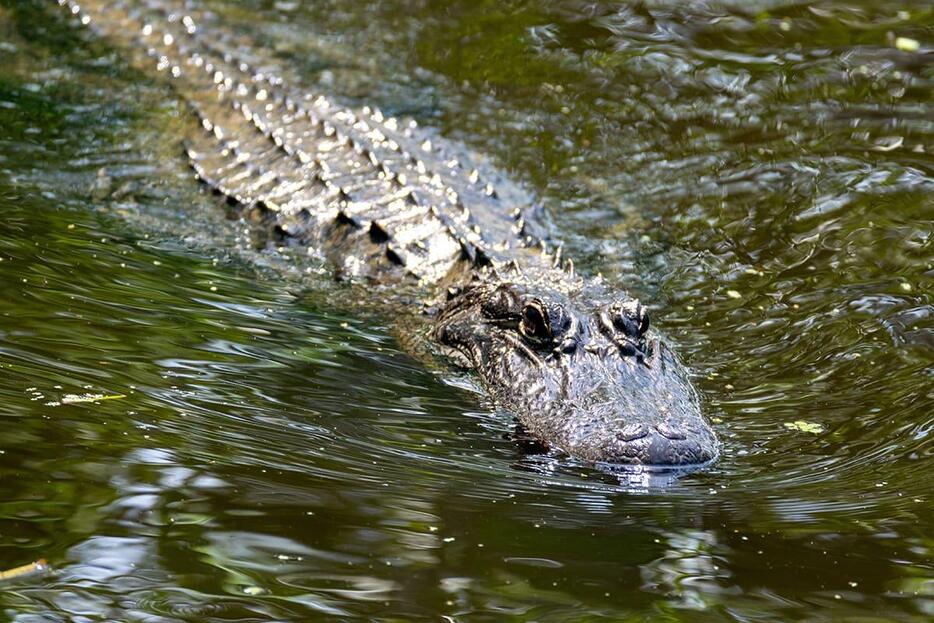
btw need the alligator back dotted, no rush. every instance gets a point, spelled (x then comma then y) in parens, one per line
(377, 195)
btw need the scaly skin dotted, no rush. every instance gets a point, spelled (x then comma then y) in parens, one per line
(387, 202)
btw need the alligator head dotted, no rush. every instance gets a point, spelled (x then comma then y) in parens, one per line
(582, 373)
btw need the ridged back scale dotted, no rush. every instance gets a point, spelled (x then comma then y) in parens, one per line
(376, 194)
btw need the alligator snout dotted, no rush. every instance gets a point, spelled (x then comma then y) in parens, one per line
(587, 378)
(663, 445)
(642, 437)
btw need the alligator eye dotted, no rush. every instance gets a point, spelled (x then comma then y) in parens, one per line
(535, 322)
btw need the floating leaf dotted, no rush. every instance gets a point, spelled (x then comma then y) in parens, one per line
(805, 427)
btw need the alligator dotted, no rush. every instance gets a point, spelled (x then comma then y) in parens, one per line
(388, 202)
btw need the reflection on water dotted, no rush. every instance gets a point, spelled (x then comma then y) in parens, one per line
(760, 174)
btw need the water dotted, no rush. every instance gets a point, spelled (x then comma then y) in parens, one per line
(761, 174)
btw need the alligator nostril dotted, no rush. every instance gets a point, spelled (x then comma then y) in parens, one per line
(670, 432)
(631, 432)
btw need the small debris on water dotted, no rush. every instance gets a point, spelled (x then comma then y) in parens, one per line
(905, 286)
(733, 294)
(69, 399)
(907, 44)
(254, 590)
(889, 143)
(805, 427)
(289, 558)
(38, 566)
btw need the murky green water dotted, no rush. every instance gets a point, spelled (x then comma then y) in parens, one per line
(761, 174)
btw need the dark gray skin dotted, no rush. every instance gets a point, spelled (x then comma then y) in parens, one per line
(398, 207)
(585, 374)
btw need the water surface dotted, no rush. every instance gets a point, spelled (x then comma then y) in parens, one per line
(759, 174)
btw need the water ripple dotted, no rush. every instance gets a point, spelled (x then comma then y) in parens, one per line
(758, 173)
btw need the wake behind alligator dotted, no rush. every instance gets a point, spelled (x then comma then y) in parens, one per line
(390, 203)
